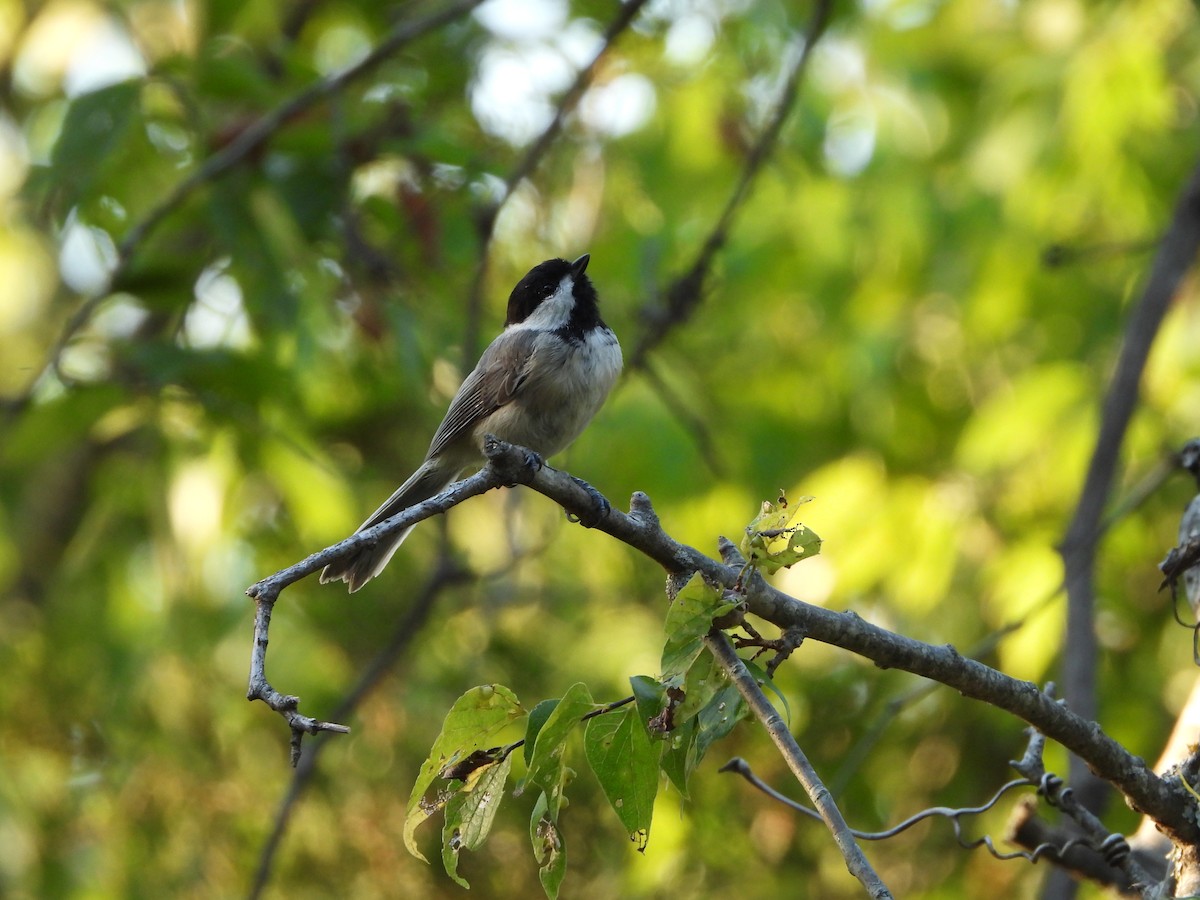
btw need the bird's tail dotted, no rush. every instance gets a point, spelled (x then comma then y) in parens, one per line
(367, 561)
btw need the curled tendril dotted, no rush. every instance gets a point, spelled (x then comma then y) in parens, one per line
(1112, 849)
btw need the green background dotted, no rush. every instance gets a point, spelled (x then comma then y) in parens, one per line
(888, 328)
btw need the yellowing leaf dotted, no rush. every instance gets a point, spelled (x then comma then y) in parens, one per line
(776, 539)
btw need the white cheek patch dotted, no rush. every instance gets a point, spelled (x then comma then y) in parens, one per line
(552, 313)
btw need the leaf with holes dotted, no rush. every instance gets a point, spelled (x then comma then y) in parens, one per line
(471, 725)
(545, 763)
(776, 539)
(548, 847)
(625, 761)
(470, 813)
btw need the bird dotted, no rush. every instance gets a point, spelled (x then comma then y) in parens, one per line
(538, 385)
(1189, 524)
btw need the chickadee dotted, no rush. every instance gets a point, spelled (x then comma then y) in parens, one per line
(537, 385)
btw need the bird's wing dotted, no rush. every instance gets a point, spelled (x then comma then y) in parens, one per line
(493, 383)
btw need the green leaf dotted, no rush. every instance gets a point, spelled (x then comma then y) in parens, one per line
(474, 720)
(679, 757)
(470, 813)
(94, 126)
(688, 621)
(702, 681)
(537, 718)
(626, 764)
(549, 848)
(545, 769)
(688, 744)
(776, 540)
(648, 696)
(717, 719)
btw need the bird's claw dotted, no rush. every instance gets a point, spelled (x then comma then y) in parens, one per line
(533, 460)
(599, 502)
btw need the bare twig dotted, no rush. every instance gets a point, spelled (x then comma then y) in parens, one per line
(685, 292)
(718, 644)
(1175, 256)
(260, 689)
(266, 592)
(445, 574)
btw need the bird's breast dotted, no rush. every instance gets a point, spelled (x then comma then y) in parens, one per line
(565, 385)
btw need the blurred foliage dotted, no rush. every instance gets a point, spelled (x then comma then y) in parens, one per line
(913, 320)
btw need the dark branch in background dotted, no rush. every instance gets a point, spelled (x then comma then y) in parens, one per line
(1074, 858)
(718, 644)
(685, 292)
(1057, 256)
(570, 99)
(529, 163)
(444, 575)
(236, 152)
(694, 424)
(1175, 256)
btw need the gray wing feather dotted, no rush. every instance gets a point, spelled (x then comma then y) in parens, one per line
(493, 383)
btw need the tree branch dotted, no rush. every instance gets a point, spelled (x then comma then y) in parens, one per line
(640, 528)
(445, 574)
(266, 592)
(1175, 256)
(718, 644)
(1111, 847)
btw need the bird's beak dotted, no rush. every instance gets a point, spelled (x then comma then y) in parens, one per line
(580, 265)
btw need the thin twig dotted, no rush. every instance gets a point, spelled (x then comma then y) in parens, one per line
(266, 592)
(260, 689)
(954, 814)
(718, 644)
(444, 575)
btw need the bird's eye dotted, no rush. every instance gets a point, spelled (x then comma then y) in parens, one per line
(548, 288)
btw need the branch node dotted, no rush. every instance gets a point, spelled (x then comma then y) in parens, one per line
(730, 554)
(641, 510)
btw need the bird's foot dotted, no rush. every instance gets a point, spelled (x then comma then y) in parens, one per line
(601, 506)
(533, 460)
